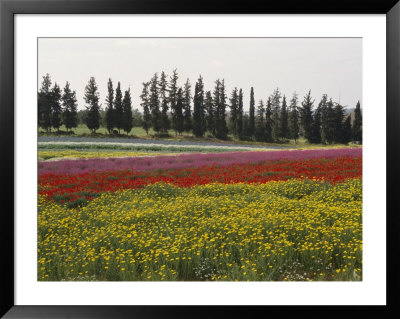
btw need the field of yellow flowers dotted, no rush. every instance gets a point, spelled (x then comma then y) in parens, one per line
(280, 227)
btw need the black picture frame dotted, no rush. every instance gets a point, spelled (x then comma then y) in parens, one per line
(8, 8)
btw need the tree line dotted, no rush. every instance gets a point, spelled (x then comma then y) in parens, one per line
(56, 107)
(166, 105)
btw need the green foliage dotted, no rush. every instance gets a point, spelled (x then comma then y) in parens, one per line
(279, 122)
(199, 113)
(55, 103)
(306, 116)
(294, 127)
(246, 127)
(252, 127)
(146, 123)
(323, 107)
(92, 105)
(44, 104)
(136, 118)
(81, 115)
(275, 104)
(268, 121)
(69, 104)
(165, 125)
(221, 130)
(179, 112)
(316, 125)
(110, 123)
(347, 133)
(209, 107)
(172, 98)
(329, 123)
(154, 104)
(357, 125)
(118, 112)
(284, 125)
(338, 116)
(260, 123)
(187, 113)
(234, 105)
(216, 102)
(127, 112)
(44, 111)
(239, 121)
(46, 84)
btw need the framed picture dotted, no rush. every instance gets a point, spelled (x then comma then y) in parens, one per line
(167, 154)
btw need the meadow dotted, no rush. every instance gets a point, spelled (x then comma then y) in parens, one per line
(207, 214)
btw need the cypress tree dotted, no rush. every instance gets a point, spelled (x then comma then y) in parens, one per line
(357, 124)
(260, 123)
(187, 114)
(154, 104)
(324, 118)
(179, 112)
(70, 114)
(199, 116)
(44, 103)
(109, 107)
(44, 112)
(239, 121)
(127, 112)
(284, 126)
(234, 110)
(306, 117)
(202, 108)
(92, 105)
(268, 121)
(56, 111)
(252, 128)
(46, 84)
(146, 122)
(330, 122)
(316, 125)
(208, 105)
(347, 134)
(276, 101)
(246, 127)
(294, 118)
(118, 108)
(338, 123)
(172, 98)
(216, 102)
(164, 103)
(221, 128)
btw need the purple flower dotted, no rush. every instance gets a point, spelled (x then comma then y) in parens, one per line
(187, 160)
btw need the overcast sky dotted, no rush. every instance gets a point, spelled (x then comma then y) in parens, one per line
(324, 65)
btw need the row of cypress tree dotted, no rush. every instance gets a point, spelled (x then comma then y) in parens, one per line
(166, 106)
(56, 108)
(274, 121)
(277, 121)
(118, 109)
(328, 122)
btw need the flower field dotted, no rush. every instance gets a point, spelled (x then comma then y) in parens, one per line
(71, 149)
(291, 215)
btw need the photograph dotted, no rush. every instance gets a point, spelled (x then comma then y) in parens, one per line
(175, 159)
(199, 159)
